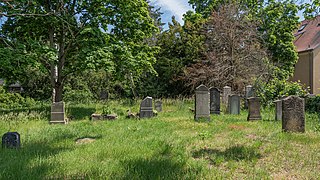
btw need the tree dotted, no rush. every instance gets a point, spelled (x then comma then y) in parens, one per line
(234, 52)
(64, 37)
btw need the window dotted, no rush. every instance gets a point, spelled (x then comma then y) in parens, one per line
(302, 27)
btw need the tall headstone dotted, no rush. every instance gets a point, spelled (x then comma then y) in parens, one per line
(248, 93)
(58, 113)
(158, 106)
(234, 104)
(293, 114)
(226, 93)
(146, 109)
(214, 100)
(278, 110)
(254, 108)
(11, 140)
(202, 109)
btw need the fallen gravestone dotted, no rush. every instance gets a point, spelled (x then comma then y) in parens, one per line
(293, 114)
(234, 104)
(254, 109)
(214, 100)
(58, 113)
(146, 109)
(202, 109)
(11, 140)
(158, 106)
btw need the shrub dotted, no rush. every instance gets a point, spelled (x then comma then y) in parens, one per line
(14, 100)
(79, 96)
(313, 104)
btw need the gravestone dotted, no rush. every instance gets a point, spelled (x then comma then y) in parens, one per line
(293, 114)
(146, 109)
(158, 106)
(278, 110)
(254, 108)
(226, 93)
(58, 113)
(11, 140)
(234, 104)
(248, 93)
(214, 100)
(202, 109)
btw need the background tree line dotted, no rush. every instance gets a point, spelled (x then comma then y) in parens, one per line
(114, 48)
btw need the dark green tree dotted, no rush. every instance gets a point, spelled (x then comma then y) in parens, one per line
(62, 38)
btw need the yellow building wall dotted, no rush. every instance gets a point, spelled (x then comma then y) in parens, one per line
(316, 71)
(302, 70)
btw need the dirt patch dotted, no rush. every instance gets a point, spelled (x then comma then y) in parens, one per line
(237, 127)
(85, 140)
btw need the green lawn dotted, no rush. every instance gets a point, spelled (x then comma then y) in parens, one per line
(169, 146)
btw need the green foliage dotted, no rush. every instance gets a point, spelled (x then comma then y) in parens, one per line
(276, 88)
(313, 104)
(78, 96)
(14, 100)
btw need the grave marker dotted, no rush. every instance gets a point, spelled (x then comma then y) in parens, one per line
(11, 140)
(146, 109)
(214, 100)
(202, 109)
(58, 113)
(234, 104)
(293, 114)
(254, 108)
(226, 93)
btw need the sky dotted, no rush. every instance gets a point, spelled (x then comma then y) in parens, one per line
(171, 8)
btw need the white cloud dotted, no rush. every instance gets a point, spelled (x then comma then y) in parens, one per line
(177, 7)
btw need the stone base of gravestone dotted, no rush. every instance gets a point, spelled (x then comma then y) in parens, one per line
(278, 110)
(146, 108)
(254, 109)
(58, 113)
(11, 140)
(293, 114)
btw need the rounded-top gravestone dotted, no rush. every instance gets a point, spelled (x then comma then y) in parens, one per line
(293, 114)
(202, 107)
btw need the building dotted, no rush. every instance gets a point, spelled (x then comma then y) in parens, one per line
(307, 42)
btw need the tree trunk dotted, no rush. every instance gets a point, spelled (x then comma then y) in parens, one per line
(58, 92)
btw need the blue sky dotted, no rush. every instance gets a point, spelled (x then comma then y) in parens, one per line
(172, 8)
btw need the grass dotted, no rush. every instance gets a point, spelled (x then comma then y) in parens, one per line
(169, 146)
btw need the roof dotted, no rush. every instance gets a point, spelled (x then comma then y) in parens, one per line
(308, 35)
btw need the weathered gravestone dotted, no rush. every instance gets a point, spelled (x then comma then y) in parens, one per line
(226, 93)
(293, 118)
(234, 104)
(146, 109)
(254, 108)
(202, 109)
(278, 110)
(11, 140)
(214, 100)
(58, 113)
(158, 106)
(248, 93)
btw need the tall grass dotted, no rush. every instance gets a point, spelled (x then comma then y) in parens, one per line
(169, 146)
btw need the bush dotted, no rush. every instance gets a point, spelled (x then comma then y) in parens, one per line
(14, 100)
(313, 104)
(79, 96)
(275, 89)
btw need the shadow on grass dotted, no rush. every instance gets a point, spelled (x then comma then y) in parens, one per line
(234, 153)
(79, 112)
(164, 164)
(28, 162)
